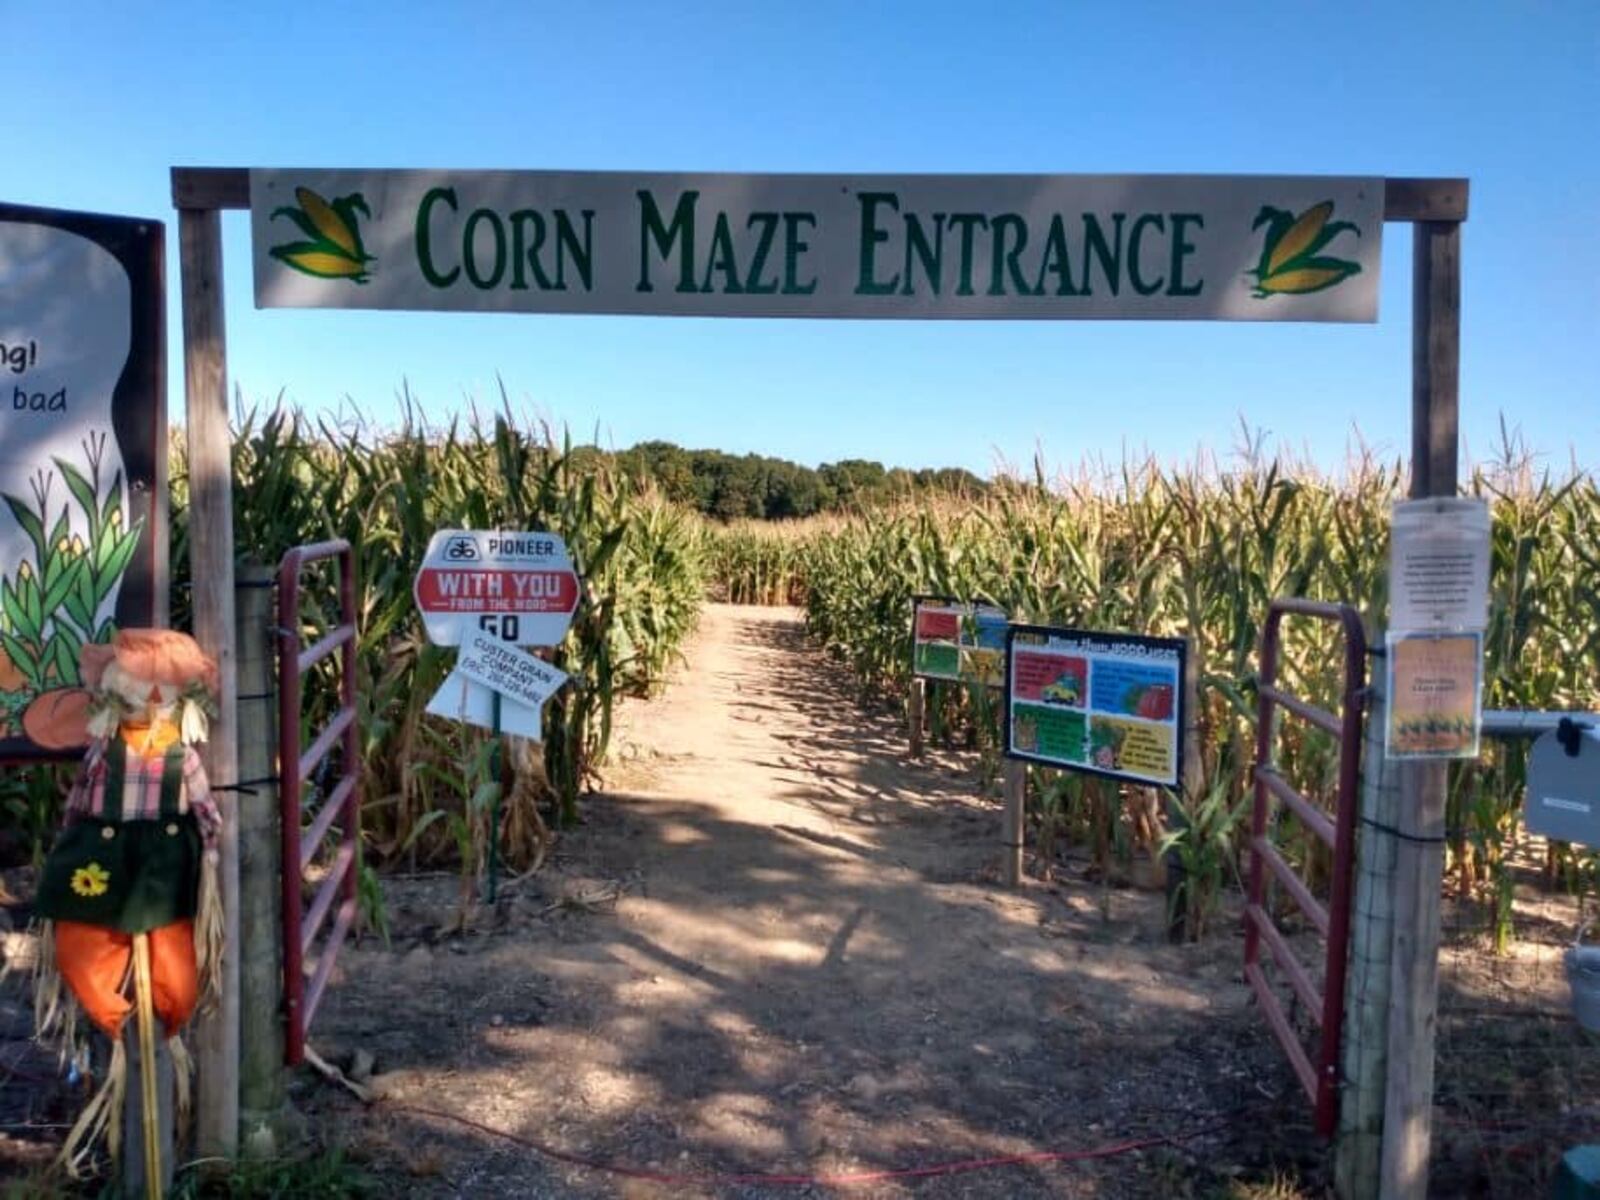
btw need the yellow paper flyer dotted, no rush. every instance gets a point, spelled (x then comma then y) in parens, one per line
(1434, 688)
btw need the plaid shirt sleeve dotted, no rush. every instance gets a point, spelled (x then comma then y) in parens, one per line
(82, 799)
(197, 791)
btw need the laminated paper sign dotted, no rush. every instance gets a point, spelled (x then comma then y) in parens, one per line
(1439, 607)
(1439, 565)
(1435, 695)
(1103, 703)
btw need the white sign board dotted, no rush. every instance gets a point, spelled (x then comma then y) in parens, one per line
(513, 673)
(462, 699)
(82, 414)
(517, 587)
(1439, 565)
(1168, 247)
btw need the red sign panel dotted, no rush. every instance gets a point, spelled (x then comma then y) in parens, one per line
(453, 590)
(518, 586)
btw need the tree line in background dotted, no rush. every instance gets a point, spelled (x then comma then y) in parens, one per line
(731, 486)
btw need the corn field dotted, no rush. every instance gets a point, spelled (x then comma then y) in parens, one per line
(426, 788)
(1199, 552)
(755, 562)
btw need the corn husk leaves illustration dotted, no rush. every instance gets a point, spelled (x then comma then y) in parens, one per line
(1292, 262)
(52, 602)
(332, 249)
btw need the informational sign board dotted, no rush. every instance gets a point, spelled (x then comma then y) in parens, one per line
(487, 666)
(82, 447)
(1439, 565)
(1435, 685)
(1107, 704)
(517, 587)
(1053, 247)
(957, 642)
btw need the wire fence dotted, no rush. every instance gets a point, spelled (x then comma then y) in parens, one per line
(1517, 1081)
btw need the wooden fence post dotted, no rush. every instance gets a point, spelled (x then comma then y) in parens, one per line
(1014, 824)
(211, 574)
(262, 1081)
(917, 712)
(1419, 852)
(1366, 1034)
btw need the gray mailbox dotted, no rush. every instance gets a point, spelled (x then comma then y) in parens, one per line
(1564, 784)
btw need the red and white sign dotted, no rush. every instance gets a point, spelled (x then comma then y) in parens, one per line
(517, 587)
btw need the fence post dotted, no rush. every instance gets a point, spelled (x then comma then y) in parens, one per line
(917, 709)
(205, 373)
(1366, 1036)
(1419, 855)
(1011, 836)
(261, 1071)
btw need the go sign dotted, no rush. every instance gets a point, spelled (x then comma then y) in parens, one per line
(517, 587)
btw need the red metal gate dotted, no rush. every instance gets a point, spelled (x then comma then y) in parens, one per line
(1317, 1069)
(338, 812)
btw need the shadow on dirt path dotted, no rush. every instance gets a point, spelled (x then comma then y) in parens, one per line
(806, 967)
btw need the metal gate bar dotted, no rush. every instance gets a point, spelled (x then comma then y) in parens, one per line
(295, 767)
(1319, 1077)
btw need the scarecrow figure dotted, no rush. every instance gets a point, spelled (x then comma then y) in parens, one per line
(129, 892)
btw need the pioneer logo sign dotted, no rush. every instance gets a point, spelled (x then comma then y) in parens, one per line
(517, 587)
(929, 246)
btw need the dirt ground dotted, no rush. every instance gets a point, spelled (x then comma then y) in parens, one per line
(777, 946)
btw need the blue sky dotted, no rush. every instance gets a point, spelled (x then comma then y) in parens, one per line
(102, 99)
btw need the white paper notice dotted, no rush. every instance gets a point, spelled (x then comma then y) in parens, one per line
(1439, 565)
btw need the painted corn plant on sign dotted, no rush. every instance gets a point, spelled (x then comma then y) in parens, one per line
(1435, 694)
(1166, 247)
(82, 415)
(1104, 703)
(958, 642)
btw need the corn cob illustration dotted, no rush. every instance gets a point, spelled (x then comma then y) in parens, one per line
(333, 248)
(1291, 261)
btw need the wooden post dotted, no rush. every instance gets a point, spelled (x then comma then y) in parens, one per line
(917, 708)
(1012, 827)
(135, 1167)
(1419, 854)
(211, 576)
(262, 1078)
(1366, 1006)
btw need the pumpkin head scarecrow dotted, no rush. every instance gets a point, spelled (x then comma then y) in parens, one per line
(129, 890)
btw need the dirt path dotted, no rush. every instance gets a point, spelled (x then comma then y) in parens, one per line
(807, 968)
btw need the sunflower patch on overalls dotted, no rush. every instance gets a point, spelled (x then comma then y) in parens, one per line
(130, 858)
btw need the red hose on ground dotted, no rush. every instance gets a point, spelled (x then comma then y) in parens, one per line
(957, 1167)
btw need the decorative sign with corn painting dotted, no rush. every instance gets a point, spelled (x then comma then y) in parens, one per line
(1050, 247)
(82, 414)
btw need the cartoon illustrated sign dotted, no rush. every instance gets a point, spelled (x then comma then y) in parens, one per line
(82, 416)
(957, 642)
(1104, 703)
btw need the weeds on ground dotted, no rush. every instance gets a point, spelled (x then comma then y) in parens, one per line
(327, 1175)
